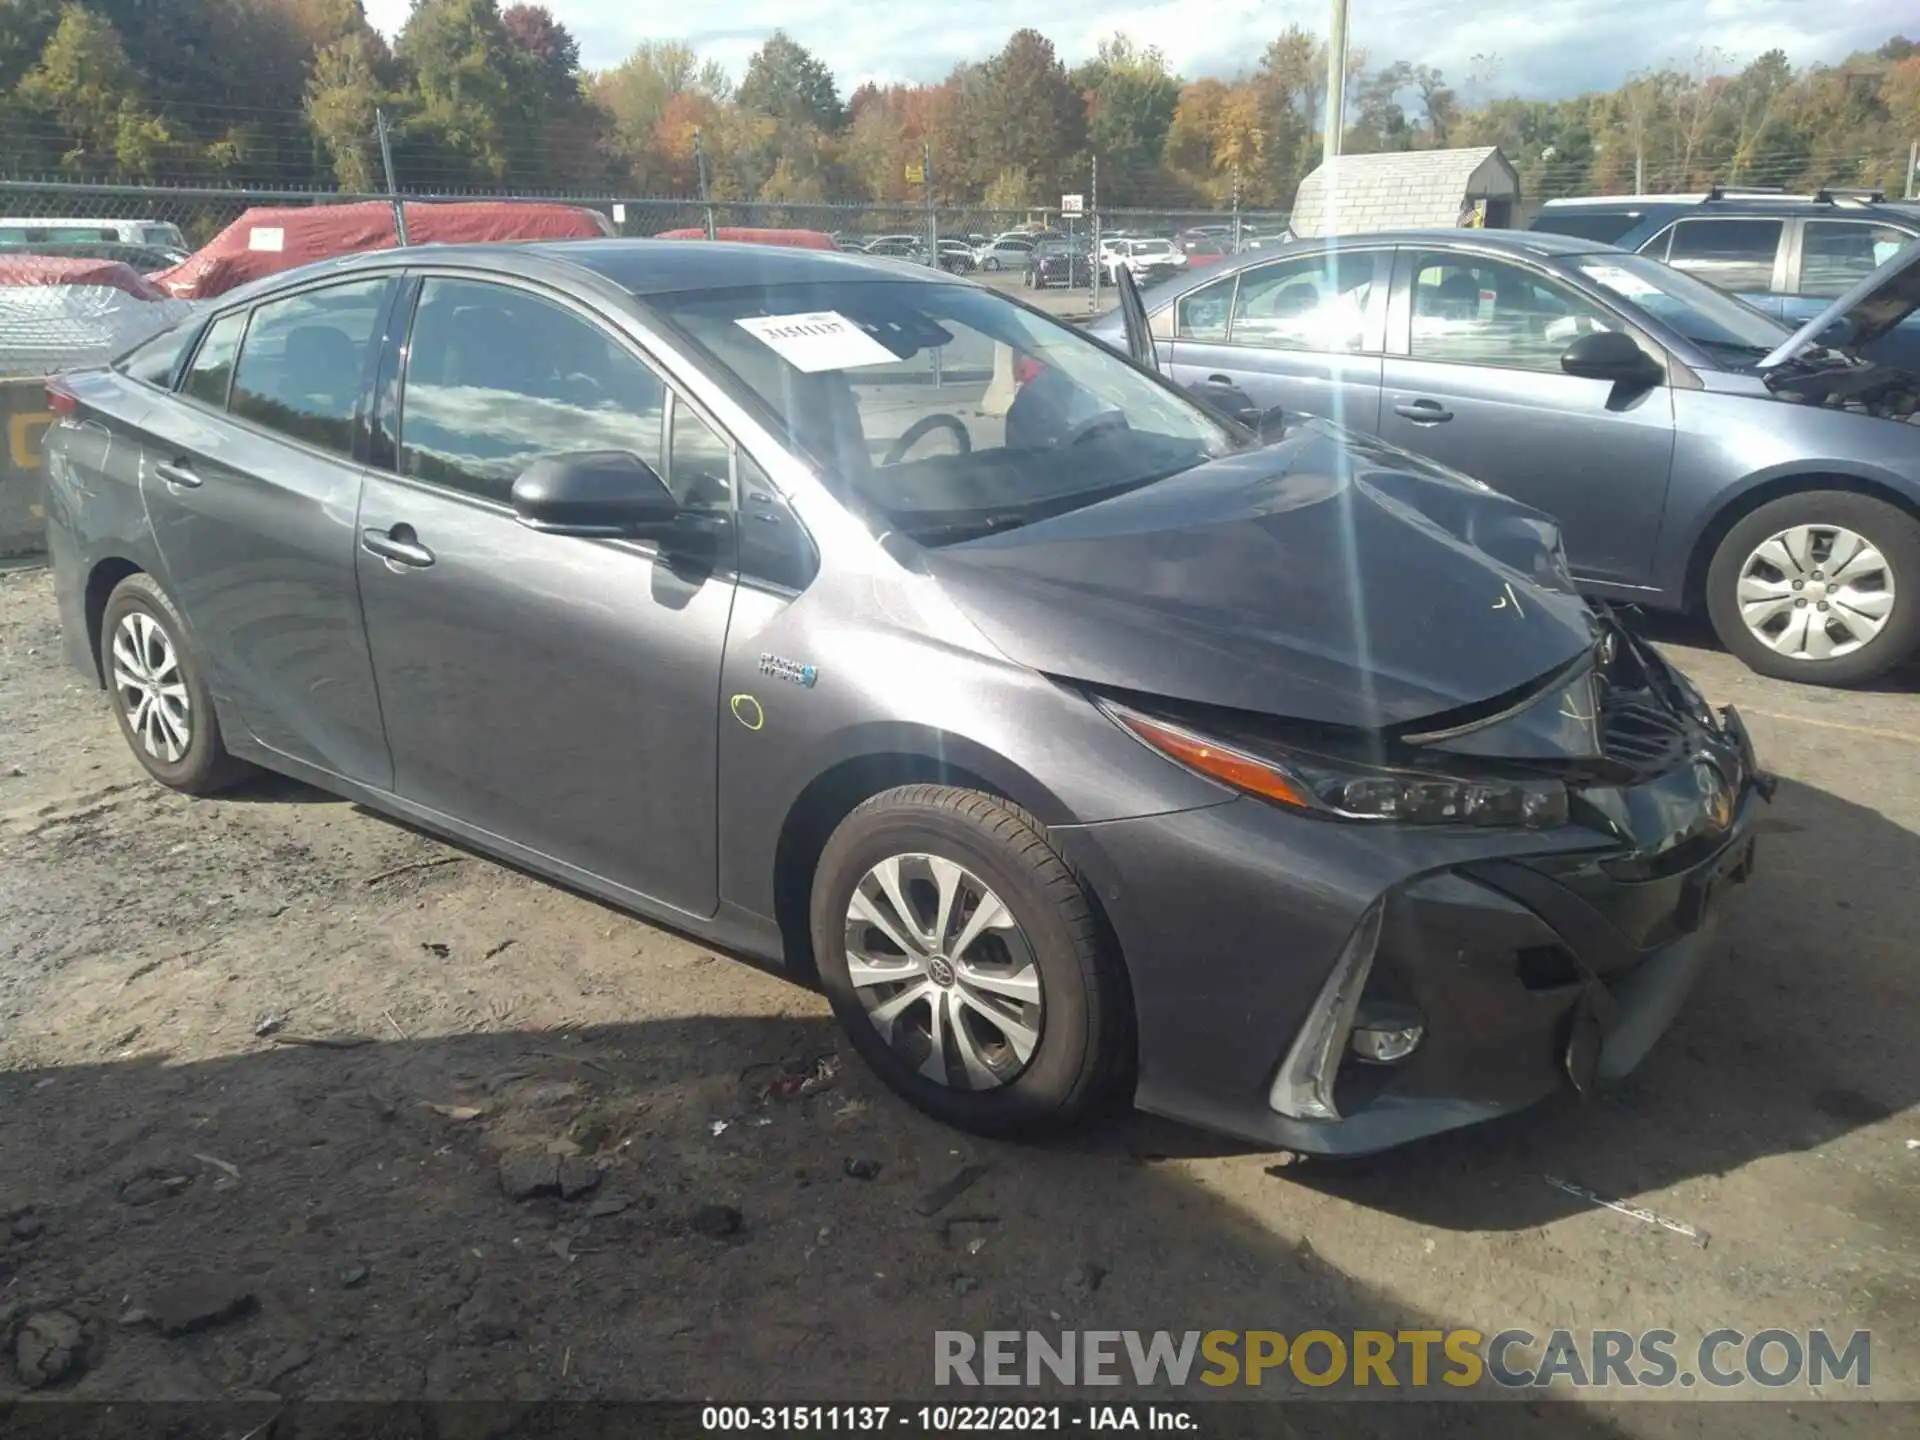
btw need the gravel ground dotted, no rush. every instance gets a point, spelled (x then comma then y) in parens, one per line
(547, 1150)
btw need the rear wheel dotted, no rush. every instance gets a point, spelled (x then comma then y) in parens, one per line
(160, 697)
(1821, 587)
(961, 954)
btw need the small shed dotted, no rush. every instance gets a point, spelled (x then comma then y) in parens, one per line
(1408, 190)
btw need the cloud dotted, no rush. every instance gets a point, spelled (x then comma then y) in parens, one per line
(1545, 48)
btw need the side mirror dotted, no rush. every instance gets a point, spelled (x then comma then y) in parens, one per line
(1272, 426)
(593, 492)
(1612, 356)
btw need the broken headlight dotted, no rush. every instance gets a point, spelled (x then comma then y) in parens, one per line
(1348, 790)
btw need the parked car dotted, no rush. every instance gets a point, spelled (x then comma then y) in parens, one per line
(1005, 252)
(17, 231)
(910, 247)
(1029, 747)
(956, 257)
(1623, 397)
(1059, 263)
(1787, 254)
(1149, 261)
(1203, 247)
(147, 259)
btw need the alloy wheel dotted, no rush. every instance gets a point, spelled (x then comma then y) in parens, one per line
(944, 971)
(1816, 592)
(150, 689)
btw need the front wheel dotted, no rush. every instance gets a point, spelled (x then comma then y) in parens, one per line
(990, 263)
(160, 696)
(1822, 587)
(960, 952)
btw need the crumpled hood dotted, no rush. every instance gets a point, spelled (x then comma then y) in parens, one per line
(1874, 306)
(1328, 578)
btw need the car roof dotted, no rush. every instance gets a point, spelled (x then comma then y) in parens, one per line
(640, 267)
(1840, 206)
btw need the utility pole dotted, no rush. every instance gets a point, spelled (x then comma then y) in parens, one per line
(933, 220)
(1913, 164)
(1336, 83)
(1093, 199)
(700, 171)
(386, 165)
(1236, 207)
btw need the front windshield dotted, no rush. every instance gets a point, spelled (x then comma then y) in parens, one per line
(1732, 331)
(947, 411)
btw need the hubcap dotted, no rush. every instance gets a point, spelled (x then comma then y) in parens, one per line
(1816, 592)
(944, 971)
(150, 689)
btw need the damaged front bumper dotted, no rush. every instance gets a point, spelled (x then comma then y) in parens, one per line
(1342, 989)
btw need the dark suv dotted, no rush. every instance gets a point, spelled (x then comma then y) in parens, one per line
(1787, 254)
(1059, 262)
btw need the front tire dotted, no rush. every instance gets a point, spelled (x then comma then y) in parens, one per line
(960, 952)
(1822, 587)
(990, 263)
(160, 696)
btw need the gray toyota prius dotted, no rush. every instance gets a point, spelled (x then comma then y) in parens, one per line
(1080, 740)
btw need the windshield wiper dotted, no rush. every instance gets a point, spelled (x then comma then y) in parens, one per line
(974, 524)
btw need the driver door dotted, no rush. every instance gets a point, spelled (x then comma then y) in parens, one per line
(1473, 380)
(556, 692)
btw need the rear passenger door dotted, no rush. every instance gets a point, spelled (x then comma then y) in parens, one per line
(251, 476)
(1305, 334)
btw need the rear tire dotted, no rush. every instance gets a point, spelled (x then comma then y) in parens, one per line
(1015, 1025)
(160, 695)
(1822, 588)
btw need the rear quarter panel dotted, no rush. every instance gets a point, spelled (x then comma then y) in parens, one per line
(95, 514)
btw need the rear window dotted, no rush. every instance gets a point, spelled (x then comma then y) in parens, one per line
(1606, 226)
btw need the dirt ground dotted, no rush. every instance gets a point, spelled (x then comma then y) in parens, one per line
(337, 1220)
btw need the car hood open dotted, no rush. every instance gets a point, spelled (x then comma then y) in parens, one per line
(1328, 578)
(1874, 306)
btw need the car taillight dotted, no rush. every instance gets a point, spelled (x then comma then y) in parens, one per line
(60, 400)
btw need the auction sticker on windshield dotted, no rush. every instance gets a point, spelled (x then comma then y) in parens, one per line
(823, 340)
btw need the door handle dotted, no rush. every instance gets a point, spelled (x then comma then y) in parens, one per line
(1423, 412)
(1222, 380)
(400, 545)
(177, 473)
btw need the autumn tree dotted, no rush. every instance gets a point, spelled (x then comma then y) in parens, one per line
(90, 96)
(788, 83)
(1028, 117)
(1130, 99)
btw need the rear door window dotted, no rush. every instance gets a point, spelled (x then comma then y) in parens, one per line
(1734, 254)
(212, 369)
(305, 357)
(1835, 255)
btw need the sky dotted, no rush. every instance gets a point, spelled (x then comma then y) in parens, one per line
(1545, 49)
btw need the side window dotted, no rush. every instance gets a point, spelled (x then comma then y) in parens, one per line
(497, 378)
(699, 463)
(212, 368)
(1316, 303)
(774, 545)
(1732, 254)
(1473, 311)
(1202, 314)
(1835, 255)
(303, 361)
(153, 362)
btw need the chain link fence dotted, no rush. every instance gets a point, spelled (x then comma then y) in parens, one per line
(43, 213)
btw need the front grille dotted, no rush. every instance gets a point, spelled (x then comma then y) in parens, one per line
(1641, 731)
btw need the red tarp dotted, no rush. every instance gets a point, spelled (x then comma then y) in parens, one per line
(51, 270)
(266, 241)
(744, 235)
